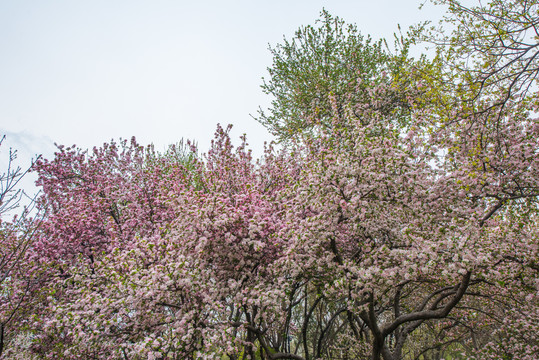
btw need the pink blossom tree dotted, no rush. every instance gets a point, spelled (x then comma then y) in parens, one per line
(97, 202)
(183, 290)
(382, 240)
(422, 223)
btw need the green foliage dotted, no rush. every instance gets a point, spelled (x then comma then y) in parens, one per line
(313, 75)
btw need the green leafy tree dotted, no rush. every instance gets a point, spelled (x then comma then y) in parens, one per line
(314, 74)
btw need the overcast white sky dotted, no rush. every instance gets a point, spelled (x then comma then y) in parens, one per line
(84, 72)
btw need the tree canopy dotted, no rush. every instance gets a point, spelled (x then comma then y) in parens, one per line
(319, 70)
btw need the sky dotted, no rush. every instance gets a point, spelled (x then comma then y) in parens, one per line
(86, 72)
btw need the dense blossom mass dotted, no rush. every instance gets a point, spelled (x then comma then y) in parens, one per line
(389, 226)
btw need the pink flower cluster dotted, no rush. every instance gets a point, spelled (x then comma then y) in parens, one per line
(381, 239)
